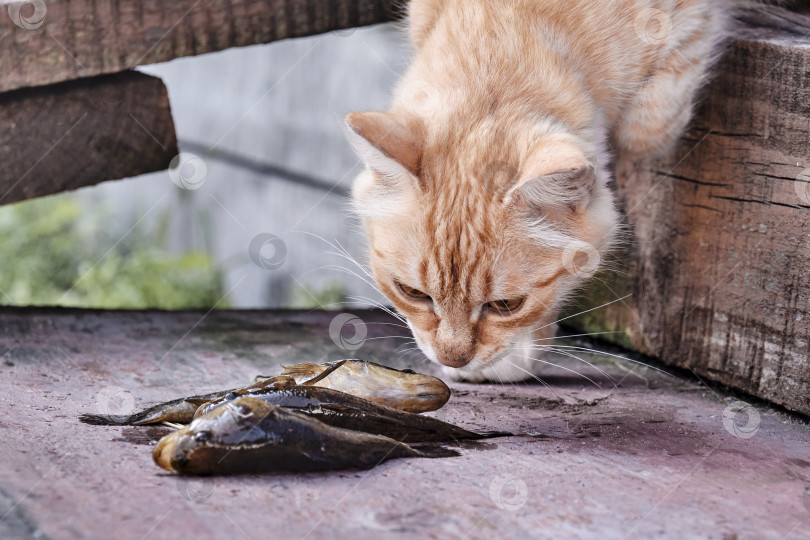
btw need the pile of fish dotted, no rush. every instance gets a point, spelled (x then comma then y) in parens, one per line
(312, 417)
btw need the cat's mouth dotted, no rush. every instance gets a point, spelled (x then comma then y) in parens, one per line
(466, 369)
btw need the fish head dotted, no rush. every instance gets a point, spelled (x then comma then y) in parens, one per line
(225, 429)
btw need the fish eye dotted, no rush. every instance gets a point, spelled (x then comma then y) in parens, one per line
(505, 307)
(230, 396)
(202, 436)
(413, 293)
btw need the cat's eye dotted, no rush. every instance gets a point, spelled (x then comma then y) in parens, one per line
(505, 306)
(413, 293)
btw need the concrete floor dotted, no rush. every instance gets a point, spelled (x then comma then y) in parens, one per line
(654, 456)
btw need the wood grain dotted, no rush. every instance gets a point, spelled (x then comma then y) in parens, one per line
(720, 271)
(81, 38)
(79, 133)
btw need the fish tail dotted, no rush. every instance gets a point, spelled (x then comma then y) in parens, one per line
(434, 451)
(153, 415)
(493, 434)
(105, 419)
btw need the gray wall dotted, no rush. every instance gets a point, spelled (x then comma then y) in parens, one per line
(279, 104)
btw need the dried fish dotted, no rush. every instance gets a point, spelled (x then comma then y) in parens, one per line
(248, 435)
(351, 412)
(181, 410)
(400, 389)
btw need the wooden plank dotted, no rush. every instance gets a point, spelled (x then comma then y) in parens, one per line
(79, 133)
(719, 272)
(79, 38)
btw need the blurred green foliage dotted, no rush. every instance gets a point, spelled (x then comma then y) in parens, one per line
(330, 296)
(58, 251)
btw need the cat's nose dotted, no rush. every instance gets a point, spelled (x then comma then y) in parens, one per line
(454, 361)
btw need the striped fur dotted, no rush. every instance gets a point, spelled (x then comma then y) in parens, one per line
(487, 178)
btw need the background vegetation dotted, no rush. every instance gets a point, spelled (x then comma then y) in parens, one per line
(60, 251)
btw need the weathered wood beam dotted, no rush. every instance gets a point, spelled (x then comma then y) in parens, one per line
(79, 133)
(49, 41)
(720, 271)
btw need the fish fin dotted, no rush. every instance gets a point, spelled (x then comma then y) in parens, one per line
(325, 373)
(307, 369)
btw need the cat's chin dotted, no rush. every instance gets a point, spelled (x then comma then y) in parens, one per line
(510, 368)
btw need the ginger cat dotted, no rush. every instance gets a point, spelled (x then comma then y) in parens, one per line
(485, 195)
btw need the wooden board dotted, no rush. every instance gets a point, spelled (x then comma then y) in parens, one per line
(80, 38)
(79, 133)
(720, 272)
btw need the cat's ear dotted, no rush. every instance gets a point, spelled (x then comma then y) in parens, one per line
(387, 144)
(556, 176)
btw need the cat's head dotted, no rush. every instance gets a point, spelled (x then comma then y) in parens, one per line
(477, 235)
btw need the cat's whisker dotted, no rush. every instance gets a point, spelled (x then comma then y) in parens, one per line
(575, 372)
(406, 352)
(495, 370)
(553, 348)
(381, 306)
(346, 252)
(550, 347)
(389, 311)
(535, 377)
(594, 351)
(356, 264)
(577, 335)
(351, 273)
(334, 305)
(514, 383)
(583, 312)
(388, 324)
(342, 252)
